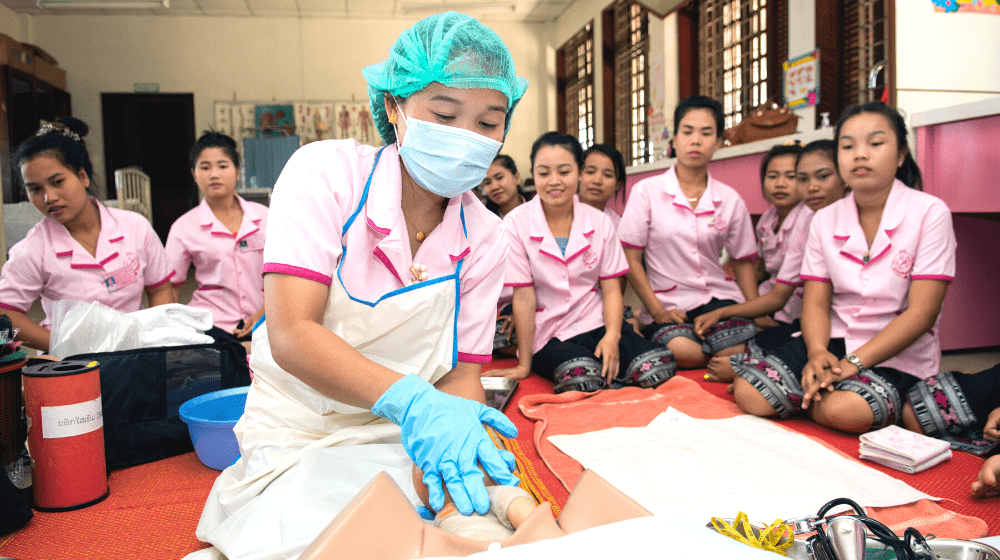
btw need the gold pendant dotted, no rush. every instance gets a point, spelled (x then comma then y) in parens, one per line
(420, 237)
(867, 257)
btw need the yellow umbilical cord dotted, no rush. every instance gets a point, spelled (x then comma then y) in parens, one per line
(770, 538)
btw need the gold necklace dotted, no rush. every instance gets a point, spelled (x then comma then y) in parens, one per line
(84, 243)
(420, 235)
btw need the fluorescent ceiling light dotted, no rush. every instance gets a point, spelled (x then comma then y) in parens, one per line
(103, 4)
(460, 6)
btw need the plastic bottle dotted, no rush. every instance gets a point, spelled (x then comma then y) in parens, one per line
(825, 123)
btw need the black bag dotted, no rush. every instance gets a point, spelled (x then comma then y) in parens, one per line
(142, 391)
(15, 510)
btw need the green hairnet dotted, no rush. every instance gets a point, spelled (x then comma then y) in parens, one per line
(450, 48)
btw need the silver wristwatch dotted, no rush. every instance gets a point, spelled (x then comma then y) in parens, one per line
(855, 361)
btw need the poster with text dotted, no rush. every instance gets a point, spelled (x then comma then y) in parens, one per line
(802, 80)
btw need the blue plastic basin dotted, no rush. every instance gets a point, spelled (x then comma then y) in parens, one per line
(210, 419)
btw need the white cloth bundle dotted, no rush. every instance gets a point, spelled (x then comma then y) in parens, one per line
(83, 328)
(903, 450)
(173, 315)
(173, 324)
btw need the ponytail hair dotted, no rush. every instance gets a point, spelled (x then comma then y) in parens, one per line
(909, 172)
(562, 140)
(62, 140)
(776, 151)
(213, 139)
(826, 147)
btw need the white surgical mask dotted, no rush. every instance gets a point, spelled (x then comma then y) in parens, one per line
(445, 160)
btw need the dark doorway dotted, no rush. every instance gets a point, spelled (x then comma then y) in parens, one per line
(154, 132)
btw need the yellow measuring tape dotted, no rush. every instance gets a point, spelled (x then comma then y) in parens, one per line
(776, 537)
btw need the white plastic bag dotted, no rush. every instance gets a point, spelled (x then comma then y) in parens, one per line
(79, 327)
(85, 328)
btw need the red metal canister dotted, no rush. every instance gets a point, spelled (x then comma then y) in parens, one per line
(65, 434)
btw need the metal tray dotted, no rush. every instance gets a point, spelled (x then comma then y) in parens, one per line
(498, 390)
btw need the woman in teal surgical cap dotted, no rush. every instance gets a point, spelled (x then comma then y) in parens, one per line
(382, 273)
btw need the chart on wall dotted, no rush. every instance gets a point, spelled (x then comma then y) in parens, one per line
(354, 120)
(314, 121)
(309, 120)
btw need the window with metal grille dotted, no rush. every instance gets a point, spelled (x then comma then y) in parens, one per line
(575, 66)
(865, 49)
(629, 51)
(741, 45)
(855, 39)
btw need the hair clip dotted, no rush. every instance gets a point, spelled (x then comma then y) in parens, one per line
(57, 128)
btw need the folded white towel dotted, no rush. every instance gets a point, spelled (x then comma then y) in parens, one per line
(903, 450)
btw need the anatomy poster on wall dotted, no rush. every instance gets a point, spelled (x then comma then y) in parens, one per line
(354, 120)
(976, 6)
(802, 80)
(314, 121)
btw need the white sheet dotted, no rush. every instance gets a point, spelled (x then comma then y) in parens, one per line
(698, 469)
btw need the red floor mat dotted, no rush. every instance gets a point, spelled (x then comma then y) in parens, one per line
(153, 509)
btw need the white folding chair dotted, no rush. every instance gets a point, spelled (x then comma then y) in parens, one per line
(133, 191)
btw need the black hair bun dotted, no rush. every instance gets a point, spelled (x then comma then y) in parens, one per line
(76, 125)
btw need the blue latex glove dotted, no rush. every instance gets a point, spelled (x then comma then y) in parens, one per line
(444, 436)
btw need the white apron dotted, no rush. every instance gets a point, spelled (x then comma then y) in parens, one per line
(304, 456)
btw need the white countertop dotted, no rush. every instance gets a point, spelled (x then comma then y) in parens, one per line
(740, 150)
(973, 110)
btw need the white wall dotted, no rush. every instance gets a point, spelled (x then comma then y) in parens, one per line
(944, 59)
(254, 59)
(13, 24)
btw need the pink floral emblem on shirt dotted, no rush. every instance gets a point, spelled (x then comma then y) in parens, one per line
(131, 262)
(720, 223)
(903, 264)
(590, 258)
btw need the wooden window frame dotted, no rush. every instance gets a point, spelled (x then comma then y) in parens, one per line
(830, 40)
(625, 45)
(575, 86)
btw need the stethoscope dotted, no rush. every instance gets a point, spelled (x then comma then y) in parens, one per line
(845, 537)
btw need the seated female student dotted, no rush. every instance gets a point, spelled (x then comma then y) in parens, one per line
(223, 237)
(602, 179)
(681, 220)
(564, 262)
(818, 185)
(889, 250)
(82, 250)
(960, 408)
(382, 273)
(502, 187)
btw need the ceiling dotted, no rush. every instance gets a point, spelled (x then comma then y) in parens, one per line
(494, 10)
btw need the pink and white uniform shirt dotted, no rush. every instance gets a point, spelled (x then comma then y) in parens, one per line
(616, 218)
(915, 241)
(50, 264)
(568, 299)
(683, 245)
(227, 266)
(318, 190)
(782, 252)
